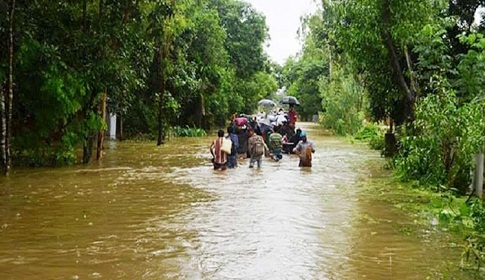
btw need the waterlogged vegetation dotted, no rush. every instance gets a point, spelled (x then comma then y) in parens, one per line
(189, 131)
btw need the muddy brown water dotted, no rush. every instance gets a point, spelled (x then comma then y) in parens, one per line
(148, 212)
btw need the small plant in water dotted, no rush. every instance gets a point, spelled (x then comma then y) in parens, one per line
(189, 131)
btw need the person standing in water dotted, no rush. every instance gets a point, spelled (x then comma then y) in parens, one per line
(232, 157)
(304, 149)
(256, 148)
(219, 157)
(275, 145)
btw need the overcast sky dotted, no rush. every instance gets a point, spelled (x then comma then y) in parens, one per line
(283, 21)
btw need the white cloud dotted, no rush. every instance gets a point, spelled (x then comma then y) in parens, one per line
(283, 21)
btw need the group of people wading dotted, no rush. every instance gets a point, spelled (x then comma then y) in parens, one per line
(253, 138)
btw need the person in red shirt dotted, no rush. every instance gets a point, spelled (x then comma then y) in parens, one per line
(292, 117)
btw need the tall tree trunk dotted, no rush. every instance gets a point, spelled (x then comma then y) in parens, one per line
(100, 9)
(412, 75)
(99, 148)
(9, 95)
(3, 123)
(201, 107)
(88, 148)
(121, 136)
(85, 13)
(394, 60)
(161, 136)
(161, 91)
(164, 56)
(90, 106)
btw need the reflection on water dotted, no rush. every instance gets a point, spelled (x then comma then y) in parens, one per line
(150, 212)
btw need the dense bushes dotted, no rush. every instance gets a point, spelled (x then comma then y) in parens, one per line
(446, 137)
(373, 134)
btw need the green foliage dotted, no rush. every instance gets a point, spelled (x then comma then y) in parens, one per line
(260, 85)
(375, 37)
(189, 131)
(433, 59)
(472, 67)
(301, 75)
(246, 31)
(306, 86)
(474, 248)
(343, 103)
(449, 128)
(367, 132)
(447, 138)
(64, 64)
(245, 79)
(373, 134)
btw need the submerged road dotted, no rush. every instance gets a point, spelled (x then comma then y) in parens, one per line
(149, 212)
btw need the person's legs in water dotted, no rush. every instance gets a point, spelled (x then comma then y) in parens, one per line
(218, 166)
(231, 161)
(259, 160)
(277, 155)
(307, 164)
(251, 162)
(304, 163)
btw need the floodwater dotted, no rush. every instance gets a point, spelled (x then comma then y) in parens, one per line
(148, 212)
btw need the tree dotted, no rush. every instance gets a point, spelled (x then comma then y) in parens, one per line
(246, 33)
(3, 75)
(303, 73)
(68, 61)
(209, 58)
(7, 97)
(377, 36)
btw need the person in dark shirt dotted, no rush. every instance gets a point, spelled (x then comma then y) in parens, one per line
(291, 142)
(296, 137)
(232, 157)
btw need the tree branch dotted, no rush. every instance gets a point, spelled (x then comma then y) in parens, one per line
(394, 58)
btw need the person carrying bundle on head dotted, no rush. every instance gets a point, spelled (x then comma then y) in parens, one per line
(304, 149)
